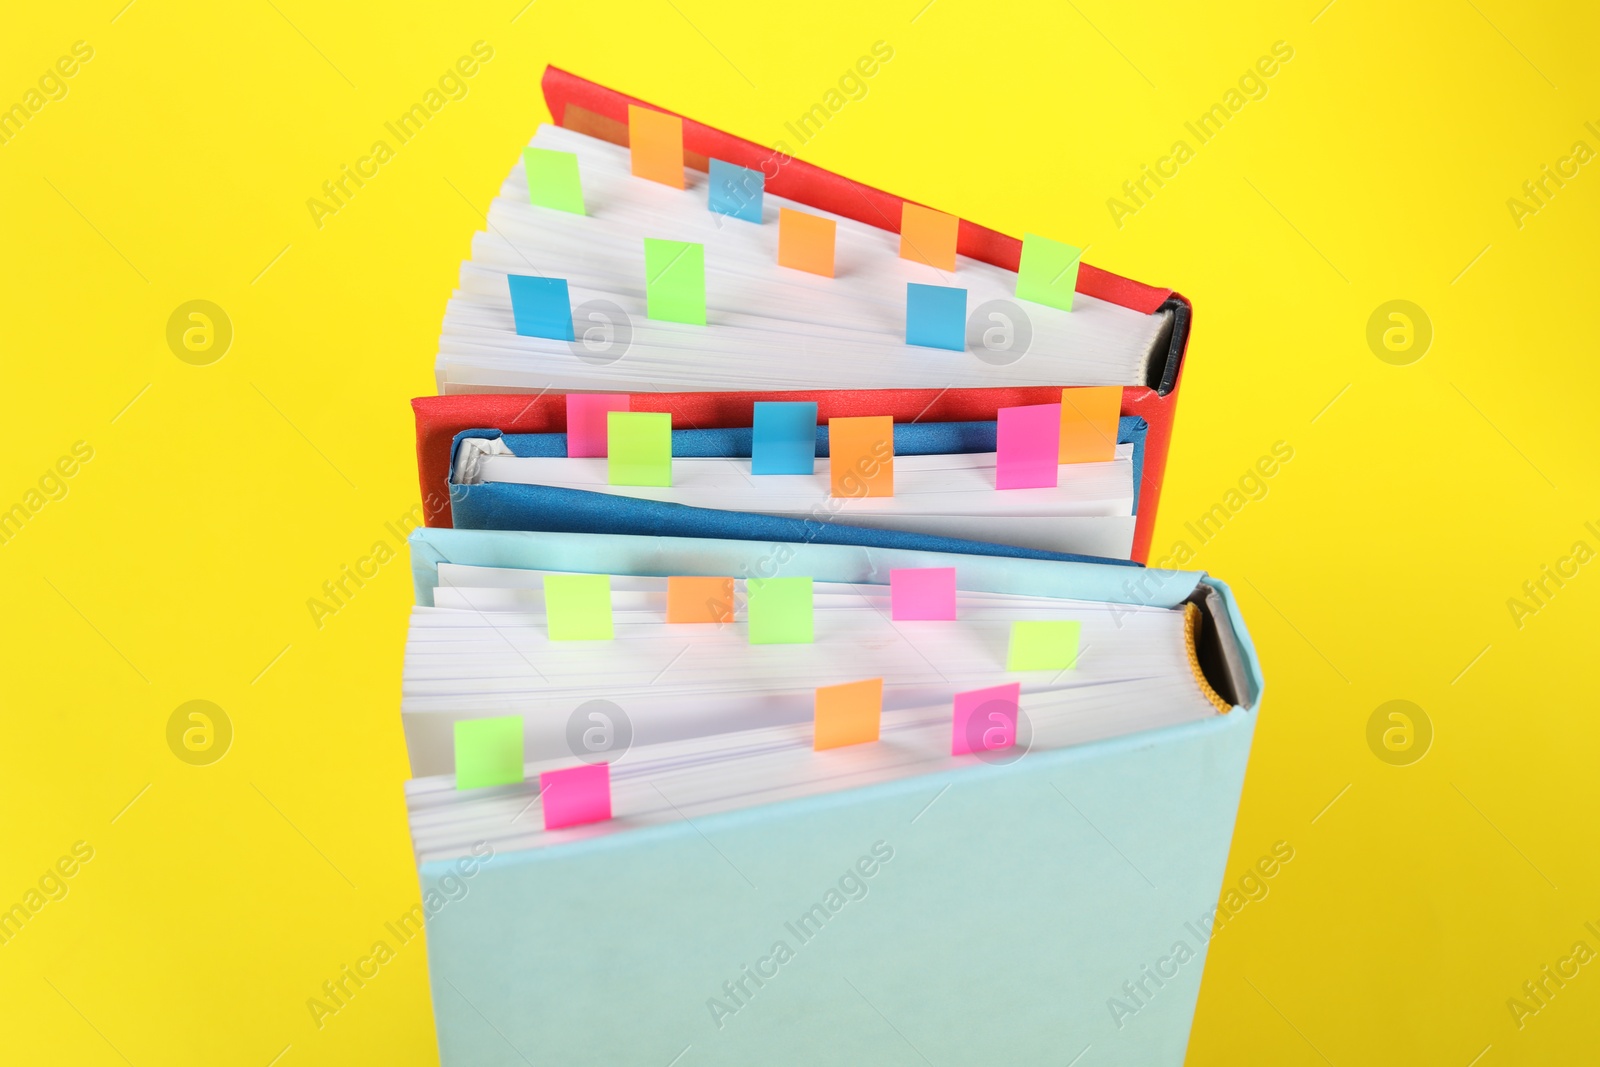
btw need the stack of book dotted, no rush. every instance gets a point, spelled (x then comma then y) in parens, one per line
(785, 684)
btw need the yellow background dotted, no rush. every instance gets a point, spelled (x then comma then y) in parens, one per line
(220, 498)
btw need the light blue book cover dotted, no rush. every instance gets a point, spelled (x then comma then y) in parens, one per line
(1053, 909)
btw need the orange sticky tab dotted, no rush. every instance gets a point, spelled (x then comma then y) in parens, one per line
(699, 599)
(1089, 423)
(655, 142)
(861, 456)
(847, 714)
(928, 236)
(805, 242)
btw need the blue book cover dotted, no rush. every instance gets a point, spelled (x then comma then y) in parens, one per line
(1035, 910)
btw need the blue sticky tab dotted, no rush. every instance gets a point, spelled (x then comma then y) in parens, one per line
(541, 307)
(936, 316)
(736, 191)
(784, 440)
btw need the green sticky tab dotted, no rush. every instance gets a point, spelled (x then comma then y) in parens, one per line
(577, 607)
(779, 610)
(553, 179)
(638, 448)
(1043, 646)
(1048, 273)
(488, 752)
(675, 281)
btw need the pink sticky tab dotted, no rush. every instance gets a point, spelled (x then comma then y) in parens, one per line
(1028, 445)
(576, 795)
(922, 593)
(586, 421)
(985, 719)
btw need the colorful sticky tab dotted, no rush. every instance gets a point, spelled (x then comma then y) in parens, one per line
(1050, 645)
(1027, 445)
(985, 719)
(586, 421)
(675, 281)
(638, 448)
(699, 599)
(735, 190)
(577, 607)
(936, 316)
(928, 236)
(1048, 273)
(488, 752)
(779, 611)
(784, 438)
(1089, 417)
(573, 796)
(922, 593)
(847, 714)
(805, 242)
(540, 307)
(553, 179)
(861, 456)
(655, 145)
